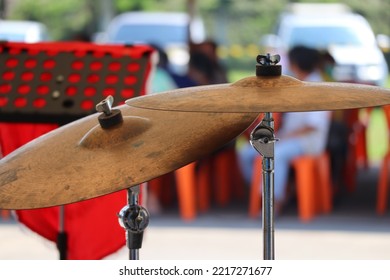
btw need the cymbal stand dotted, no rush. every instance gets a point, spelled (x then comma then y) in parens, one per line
(134, 218)
(263, 140)
(62, 236)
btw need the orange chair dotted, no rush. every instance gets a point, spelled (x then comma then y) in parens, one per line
(220, 176)
(313, 186)
(382, 189)
(204, 171)
(186, 191)
(185, 188)
(196, 181)
(5, 214)
(357, 148)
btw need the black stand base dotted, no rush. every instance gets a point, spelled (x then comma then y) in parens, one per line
(62, 245)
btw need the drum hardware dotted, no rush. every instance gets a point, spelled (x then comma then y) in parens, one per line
(262, 139)
(109, 117)
(62, 236)
(134, 218)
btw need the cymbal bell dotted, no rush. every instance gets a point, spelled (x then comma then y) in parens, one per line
(81, 160)
(266, 94)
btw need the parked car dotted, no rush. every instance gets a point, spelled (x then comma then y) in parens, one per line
(23, 31)
(167, 30)
(334, 28)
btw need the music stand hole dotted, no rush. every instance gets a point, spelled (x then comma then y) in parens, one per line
(8, 75)
(30, 63)
(24, 89)
(133, 67)
(5, 88)
(11, 62)
(27, 76)
(108, 91)
(3, 101)
(49, 64)
(43, 89)
(127, 93)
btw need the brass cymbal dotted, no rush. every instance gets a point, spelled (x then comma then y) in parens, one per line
(266, 94)
(160, 133)
(81, 160)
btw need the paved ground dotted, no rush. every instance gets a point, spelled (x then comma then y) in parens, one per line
(351, 231)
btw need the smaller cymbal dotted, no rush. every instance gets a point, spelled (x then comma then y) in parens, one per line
(266, 94)
(82, 160)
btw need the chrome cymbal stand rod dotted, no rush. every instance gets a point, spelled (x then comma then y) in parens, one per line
(263, 141)
(134, 219)
(62, 236)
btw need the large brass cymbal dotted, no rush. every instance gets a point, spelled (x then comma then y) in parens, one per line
(267, 94)
(81, 160)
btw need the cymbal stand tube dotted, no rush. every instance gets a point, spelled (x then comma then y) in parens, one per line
(263, 141)
(132, 199)
(62, 236)
(134, 219)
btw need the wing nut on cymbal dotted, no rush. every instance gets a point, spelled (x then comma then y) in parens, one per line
(109, 117)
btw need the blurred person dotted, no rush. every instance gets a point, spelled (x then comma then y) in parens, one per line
(162, 79)
(327, 64)
(300, 133)
(200, 69)
(337, 144)
(209, 48)
(204, 66)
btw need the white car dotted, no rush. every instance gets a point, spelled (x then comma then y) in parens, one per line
(23, 31)
(347, 37)
(168, 30)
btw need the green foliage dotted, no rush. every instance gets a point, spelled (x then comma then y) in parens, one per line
(149, 5)
(135, 5)
(242, 22)
(228, 21)
(61, 17)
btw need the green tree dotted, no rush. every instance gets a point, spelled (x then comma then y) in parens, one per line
(63, 18)
(229, 21)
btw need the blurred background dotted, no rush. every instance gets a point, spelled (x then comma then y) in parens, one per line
(237, 27)
(353, 33)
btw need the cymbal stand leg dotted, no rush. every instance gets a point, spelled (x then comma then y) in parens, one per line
(134, 219)
(263, 140)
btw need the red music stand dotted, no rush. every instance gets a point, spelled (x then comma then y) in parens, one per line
(61, 82)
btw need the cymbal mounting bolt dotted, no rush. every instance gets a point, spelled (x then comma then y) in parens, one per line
(105, 105)
(267, 65)
(109, 117)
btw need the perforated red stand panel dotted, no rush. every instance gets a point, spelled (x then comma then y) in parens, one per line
(63, 81)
